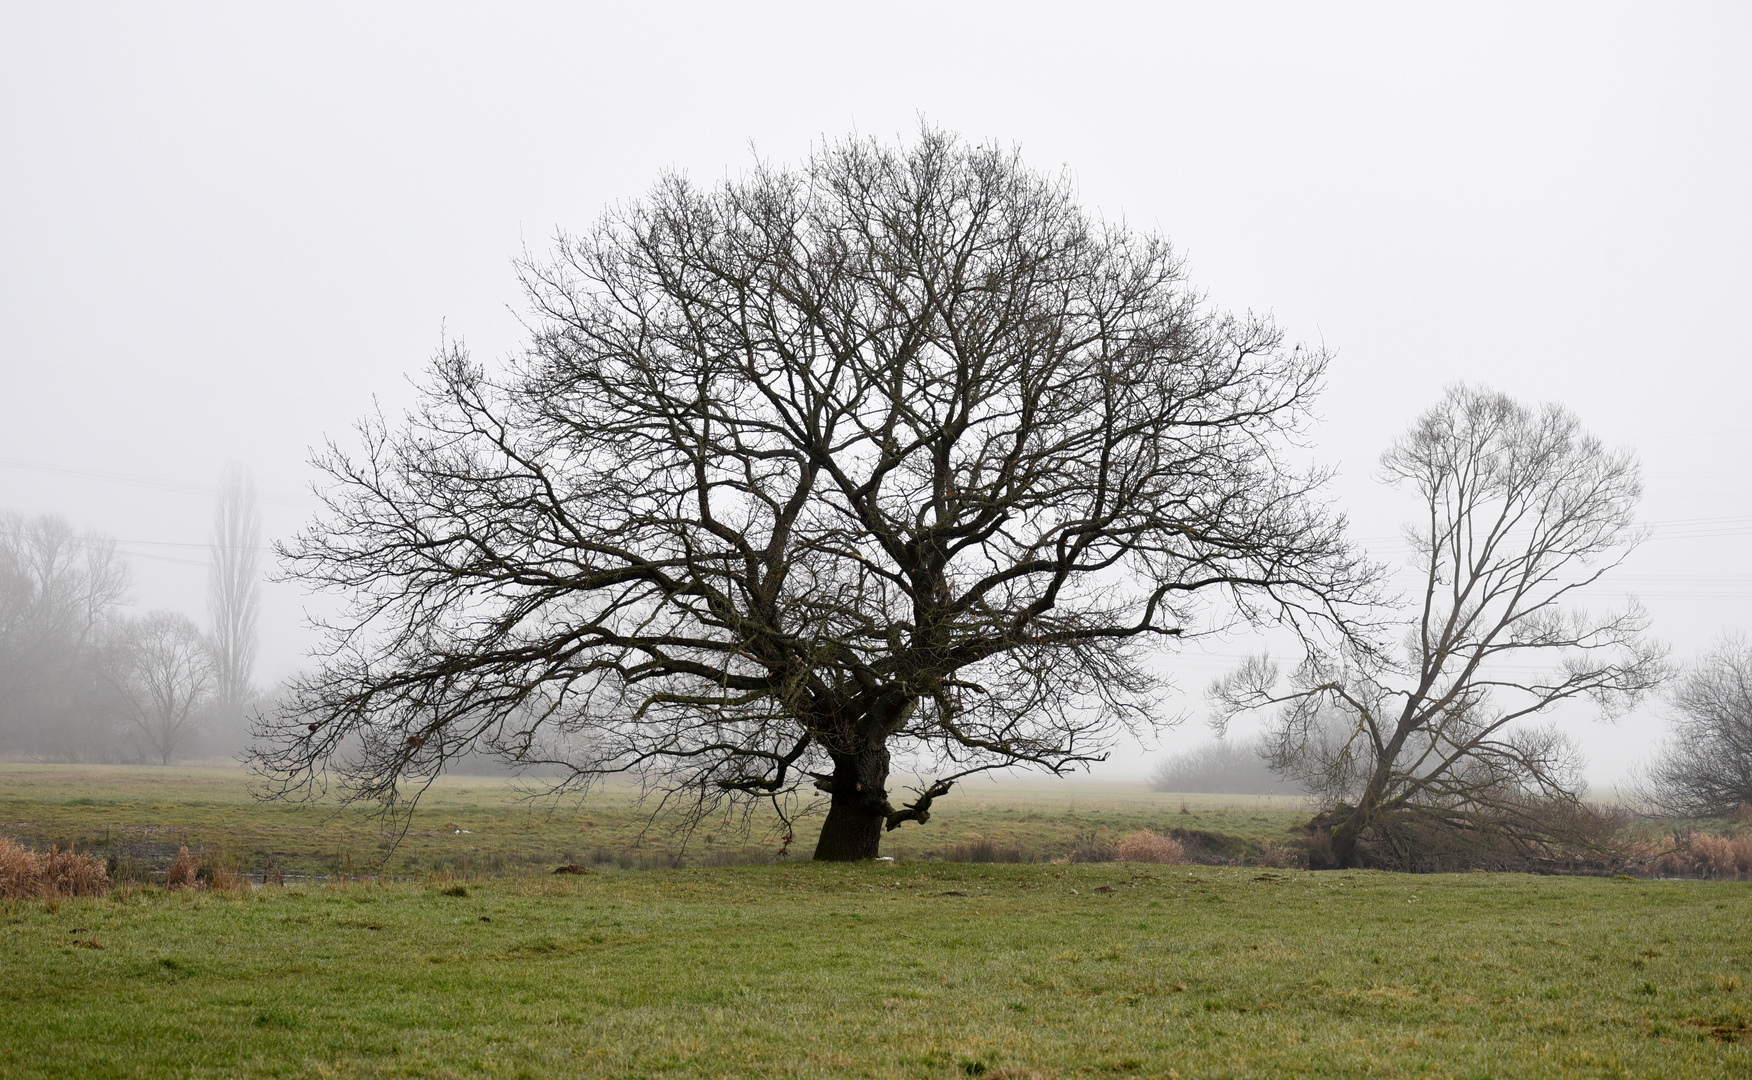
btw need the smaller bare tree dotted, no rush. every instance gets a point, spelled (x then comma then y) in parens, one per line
(164, 669)
(1423, 748)
(1705, 769)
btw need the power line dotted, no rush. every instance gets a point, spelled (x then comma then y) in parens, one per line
(167, 543)
(1698, 434)
(1669, 529)
(139, 480)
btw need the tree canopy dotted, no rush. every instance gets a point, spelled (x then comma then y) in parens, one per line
(900, 449)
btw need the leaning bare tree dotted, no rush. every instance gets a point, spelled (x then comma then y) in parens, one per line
(902, 451)
(1705, 769)
(233, 585)
(1426, 744)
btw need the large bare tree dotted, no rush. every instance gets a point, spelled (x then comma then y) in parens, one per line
(901, 450)
(1426, 743)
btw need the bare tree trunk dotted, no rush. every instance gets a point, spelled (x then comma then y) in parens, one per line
(1345, 837)
(1350, 831)
(859, 808)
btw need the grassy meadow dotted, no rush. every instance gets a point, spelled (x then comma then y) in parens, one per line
(919, 968)
(468, 826)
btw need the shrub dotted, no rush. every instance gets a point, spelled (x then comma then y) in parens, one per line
(1513, 832)
(48, 874)
(1274, 855)
(1147, 847)
(1091, 847)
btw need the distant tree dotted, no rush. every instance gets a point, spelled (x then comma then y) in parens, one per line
(165, 671)
(1422, 741)
(232, 594)
(1228, 766)
(58, 591)
(903, 449)
(1705, 769)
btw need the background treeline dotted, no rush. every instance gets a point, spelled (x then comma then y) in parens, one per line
(63, 642)
(84, 679)
(1231, 766)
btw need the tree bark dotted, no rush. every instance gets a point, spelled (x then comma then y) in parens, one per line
(858, 808)
(1349, 831)
(1344, 839)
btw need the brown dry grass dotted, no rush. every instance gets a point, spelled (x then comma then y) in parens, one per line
(183, 872)
(221, 875)
(1147, 847)
(1719, 857)
(1697, 855)
(50, 874)
(204, 871)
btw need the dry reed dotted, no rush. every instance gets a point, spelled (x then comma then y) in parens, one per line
(1697, 856)
(182, 872)
(1711, 857)
(221, 876)
(50, 874)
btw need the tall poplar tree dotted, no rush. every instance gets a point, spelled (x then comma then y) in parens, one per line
(233, 592)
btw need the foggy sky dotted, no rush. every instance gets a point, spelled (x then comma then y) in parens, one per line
(223, 231)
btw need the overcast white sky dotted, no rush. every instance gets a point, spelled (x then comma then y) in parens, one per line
(223, 229)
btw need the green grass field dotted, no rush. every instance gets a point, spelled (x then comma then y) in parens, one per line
(142, 815)
(913, 969)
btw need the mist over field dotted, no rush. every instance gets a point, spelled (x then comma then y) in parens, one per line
(228, 239)
(918, 541)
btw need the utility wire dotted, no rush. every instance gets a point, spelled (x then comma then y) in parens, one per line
(138, 480)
